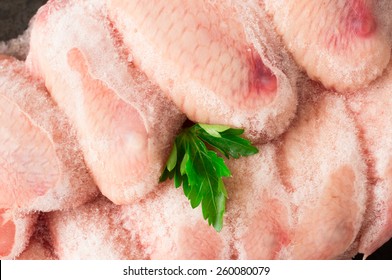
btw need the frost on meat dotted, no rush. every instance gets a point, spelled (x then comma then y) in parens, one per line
(15, 230)
(214, 66)
(320, 190)
(372, 109)
(41, 165)
(343, 44)
(125, 124)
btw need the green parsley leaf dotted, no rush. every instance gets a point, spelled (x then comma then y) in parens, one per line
(171, 162)
(200, 170)
(214, 129)
(230, 143)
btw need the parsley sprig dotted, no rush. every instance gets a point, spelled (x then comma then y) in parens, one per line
(200, 170)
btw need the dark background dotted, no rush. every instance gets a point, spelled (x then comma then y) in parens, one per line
(15, 15)
(384, 253)
(14, 18)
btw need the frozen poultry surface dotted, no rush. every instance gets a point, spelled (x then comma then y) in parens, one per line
(125, 124)
(343, 44)
(111, 83)
(212, 58)
(42, 166)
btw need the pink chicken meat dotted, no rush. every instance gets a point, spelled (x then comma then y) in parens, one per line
(276, 209)
(296, 188)
(92, 231)
(41, 165)
(321, 189)
(211, 63)
(15, 231)
(166, 227)
(372, 109)
(121, 117)
(148, 229)
(343, 44)
(322, 168)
